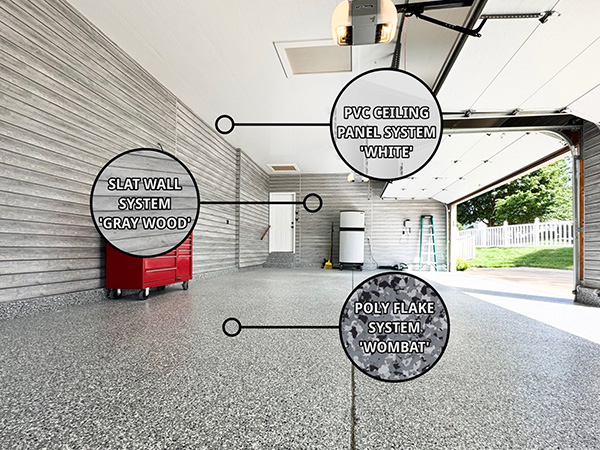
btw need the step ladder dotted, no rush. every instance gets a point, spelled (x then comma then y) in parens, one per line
(427, 253)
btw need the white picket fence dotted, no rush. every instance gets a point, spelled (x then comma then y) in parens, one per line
(465, 247)
(553, 233)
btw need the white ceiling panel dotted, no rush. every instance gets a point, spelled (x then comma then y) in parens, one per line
(480, 60)
(482, 153)
(427, 45)
(218, 57)
(446, 180)
(522, 63)
(451, 148)
(525, 150)
(588, 105)
(550, 49)
(562, 88)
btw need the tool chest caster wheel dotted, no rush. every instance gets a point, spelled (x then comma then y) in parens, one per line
(161, 288)
(144, 294)
(185, 285)
(114, 293)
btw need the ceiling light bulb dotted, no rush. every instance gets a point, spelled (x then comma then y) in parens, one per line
(383, 33)
(341, 24)
(344, 35)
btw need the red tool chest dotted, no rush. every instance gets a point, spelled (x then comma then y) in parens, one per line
(130, 272)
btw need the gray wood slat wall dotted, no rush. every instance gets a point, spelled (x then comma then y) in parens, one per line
(254, 219)
(383, 220)
(71, 100)
(213, 163)
(591, 242)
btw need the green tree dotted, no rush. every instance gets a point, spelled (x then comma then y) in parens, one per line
(481, 208)
(545, 193)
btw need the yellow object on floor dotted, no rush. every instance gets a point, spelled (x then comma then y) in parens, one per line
(328, 264)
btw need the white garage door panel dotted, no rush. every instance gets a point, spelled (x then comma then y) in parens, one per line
(505, 153)
(485, 150)
(587, 106)
(551, 48)
(572, 82)
(480, 60)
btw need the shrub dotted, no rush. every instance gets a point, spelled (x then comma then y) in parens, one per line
(462, 264)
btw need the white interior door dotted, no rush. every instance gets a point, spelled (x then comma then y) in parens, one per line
(283, 225)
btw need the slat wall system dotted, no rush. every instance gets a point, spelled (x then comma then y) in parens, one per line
(213, 163)
(71, 100)
(254, 219)
(383, 220)
(591, 242)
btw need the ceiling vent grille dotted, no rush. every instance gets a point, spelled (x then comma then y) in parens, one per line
(283, 168)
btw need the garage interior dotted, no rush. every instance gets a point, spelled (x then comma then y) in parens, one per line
(83, 81)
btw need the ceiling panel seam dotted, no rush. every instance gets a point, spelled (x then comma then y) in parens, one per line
(503, 67)
(583, 95)
(561, 70)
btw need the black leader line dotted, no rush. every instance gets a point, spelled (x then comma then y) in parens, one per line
(304, 202)
(281, 124)
(290, 327)
(232, 327)
(250, 203)
(225, 124)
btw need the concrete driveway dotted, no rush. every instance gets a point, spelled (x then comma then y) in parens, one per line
(554, 281)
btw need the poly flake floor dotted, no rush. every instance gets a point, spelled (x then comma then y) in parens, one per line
(161, 373)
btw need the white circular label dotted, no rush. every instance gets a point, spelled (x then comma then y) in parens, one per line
(145, 202)
(394, 327)
(386, 124)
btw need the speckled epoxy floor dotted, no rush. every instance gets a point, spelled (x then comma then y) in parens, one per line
(161, 374)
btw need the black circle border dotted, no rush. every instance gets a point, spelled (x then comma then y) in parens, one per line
(162, 153)
(399, 274)
(232, 319)
(379, 70)
(224, 116)
(305, 200)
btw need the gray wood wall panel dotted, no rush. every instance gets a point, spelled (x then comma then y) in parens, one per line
(591, 242)
(72, 100)
(214, 165)
(383, 220)
(254, 219)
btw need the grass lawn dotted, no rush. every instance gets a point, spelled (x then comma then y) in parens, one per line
(549, 257)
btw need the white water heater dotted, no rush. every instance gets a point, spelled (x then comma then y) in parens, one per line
(352, 239)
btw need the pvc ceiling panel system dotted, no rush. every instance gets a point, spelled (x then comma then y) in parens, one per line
(219, 57)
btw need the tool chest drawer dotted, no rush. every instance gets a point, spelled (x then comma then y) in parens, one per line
(160, 262)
